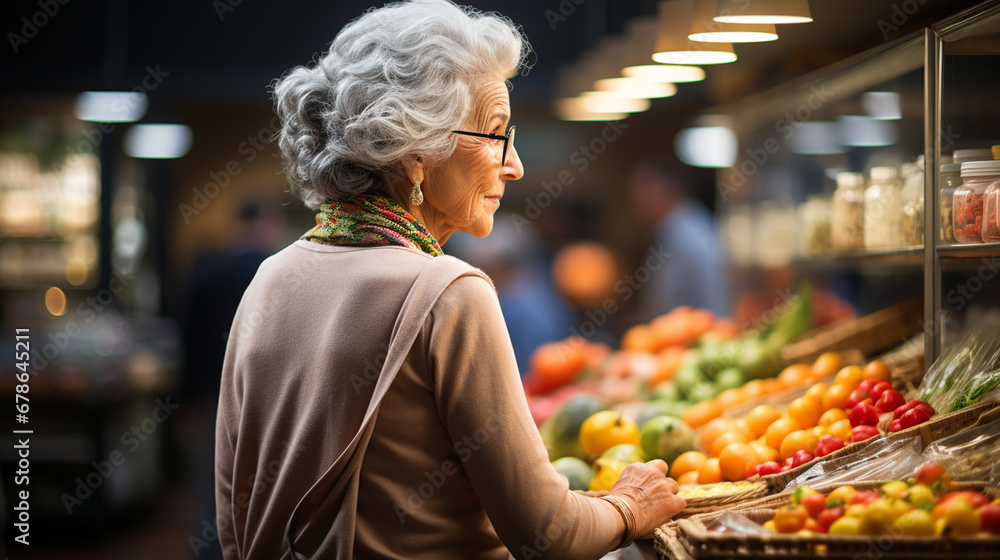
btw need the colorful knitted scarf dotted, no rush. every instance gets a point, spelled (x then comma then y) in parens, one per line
(371, 220)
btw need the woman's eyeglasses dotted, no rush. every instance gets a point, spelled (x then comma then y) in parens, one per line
(508, 139)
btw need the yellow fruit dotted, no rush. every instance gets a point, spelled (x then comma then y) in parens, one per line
(894, 489)
(769, 525)
(777, 431)
(920, 493)
(606, 473)
(606, 429)
(686, 462)
(877, 518)
(735, 460)
(799, 440)
(819, 431)
(841, 429)
(855, 510)
(916, 523)
(805, 412)
(710, 472)
(845, 526)
(845, 493)
(831, 416)
(961, 519)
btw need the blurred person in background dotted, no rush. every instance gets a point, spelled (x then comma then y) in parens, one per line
(399, 136)
(218, 280)
(694, 273)
(534, 311)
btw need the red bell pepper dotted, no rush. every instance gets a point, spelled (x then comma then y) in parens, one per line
(889, 401)
(895, 426)
(863, 432)
(800, 458)
(877, 389)
(754, 470)
(769, 467)
(911, 404)
(863, 414)
(915, 416)
(827, 445)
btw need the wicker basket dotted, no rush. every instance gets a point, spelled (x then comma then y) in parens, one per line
(689, 539)
(872, 334)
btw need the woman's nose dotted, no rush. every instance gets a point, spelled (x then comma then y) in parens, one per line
(513, 169)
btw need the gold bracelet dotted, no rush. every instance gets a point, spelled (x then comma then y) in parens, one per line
(627, 516)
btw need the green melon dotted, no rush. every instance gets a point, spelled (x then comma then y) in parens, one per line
(576, 471)
(666, 437)
(561, 432)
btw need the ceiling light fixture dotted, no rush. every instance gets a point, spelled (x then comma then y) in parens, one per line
(763, 11)
(673, 45)
(640, 43)
(705, 29)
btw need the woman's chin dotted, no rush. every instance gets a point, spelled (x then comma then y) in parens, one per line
(482, 227)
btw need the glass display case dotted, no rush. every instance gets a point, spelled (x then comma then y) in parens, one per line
(895, 125)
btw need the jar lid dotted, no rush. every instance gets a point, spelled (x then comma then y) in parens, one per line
(850, 179)
(882, 173)
(975, 154)
(980, 168)
(951, 168)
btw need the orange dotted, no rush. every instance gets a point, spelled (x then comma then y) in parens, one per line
(760, 418)
(805, 412)
(794, 375)
(816, 392)
(827, 364)
(742, 426)
(819, 431)
(712, 430)
(797, 441)
(728, 398)
(689, 461)
(777, 431)
(841, 429)
(836, 396)
(698, 415)
(850, 377)
(726, 438)
(688, 478)
(754, 388)
(765, 453)
(639, 338)
(878, 370)
(710, 472)
(735, 460)
(831, 416)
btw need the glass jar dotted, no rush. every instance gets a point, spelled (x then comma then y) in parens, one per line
(968, 199)
(991, 213)
(814, 216)
(913, 207)
(883, 217)
(848, 209)
(951, 179)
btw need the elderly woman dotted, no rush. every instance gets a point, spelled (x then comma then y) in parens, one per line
(371, 405)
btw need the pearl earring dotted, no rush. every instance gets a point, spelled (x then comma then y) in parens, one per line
(416, 197)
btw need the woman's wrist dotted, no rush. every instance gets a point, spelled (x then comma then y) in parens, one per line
(628, 517)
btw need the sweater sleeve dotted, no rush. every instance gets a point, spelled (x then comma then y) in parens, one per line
(482, 405)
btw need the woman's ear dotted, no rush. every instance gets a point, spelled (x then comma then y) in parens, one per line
(413, 166)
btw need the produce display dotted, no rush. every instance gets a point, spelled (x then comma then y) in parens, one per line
(925, 505)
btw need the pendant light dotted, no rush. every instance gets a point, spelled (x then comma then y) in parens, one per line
(763, 11)
(673, 45)
(705, 29)
(608, 60)
(640, 43)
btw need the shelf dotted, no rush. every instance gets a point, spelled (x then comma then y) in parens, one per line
(908, 257)
(969, 250)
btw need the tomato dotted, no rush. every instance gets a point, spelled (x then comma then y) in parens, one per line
(790, 519)
(555, 364)
(930, 473)
(864, 497)
(827, 445)
(828, 516)
(815, 504)
(800, 458)
(801, 493)
(769, 467)
(989, 518)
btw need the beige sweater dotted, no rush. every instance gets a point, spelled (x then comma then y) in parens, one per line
(455, 467)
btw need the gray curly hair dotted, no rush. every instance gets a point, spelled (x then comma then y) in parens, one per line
(396, 81)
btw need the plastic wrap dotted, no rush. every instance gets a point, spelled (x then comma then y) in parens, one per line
(883, 459)
(735, 524)
(965, 374)
(970, 455)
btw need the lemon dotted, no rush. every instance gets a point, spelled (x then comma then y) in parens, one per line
(916, 523)
(878, 516)
(605, 430)
(846, 526)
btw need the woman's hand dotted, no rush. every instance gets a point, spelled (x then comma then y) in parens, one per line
(652, 496)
